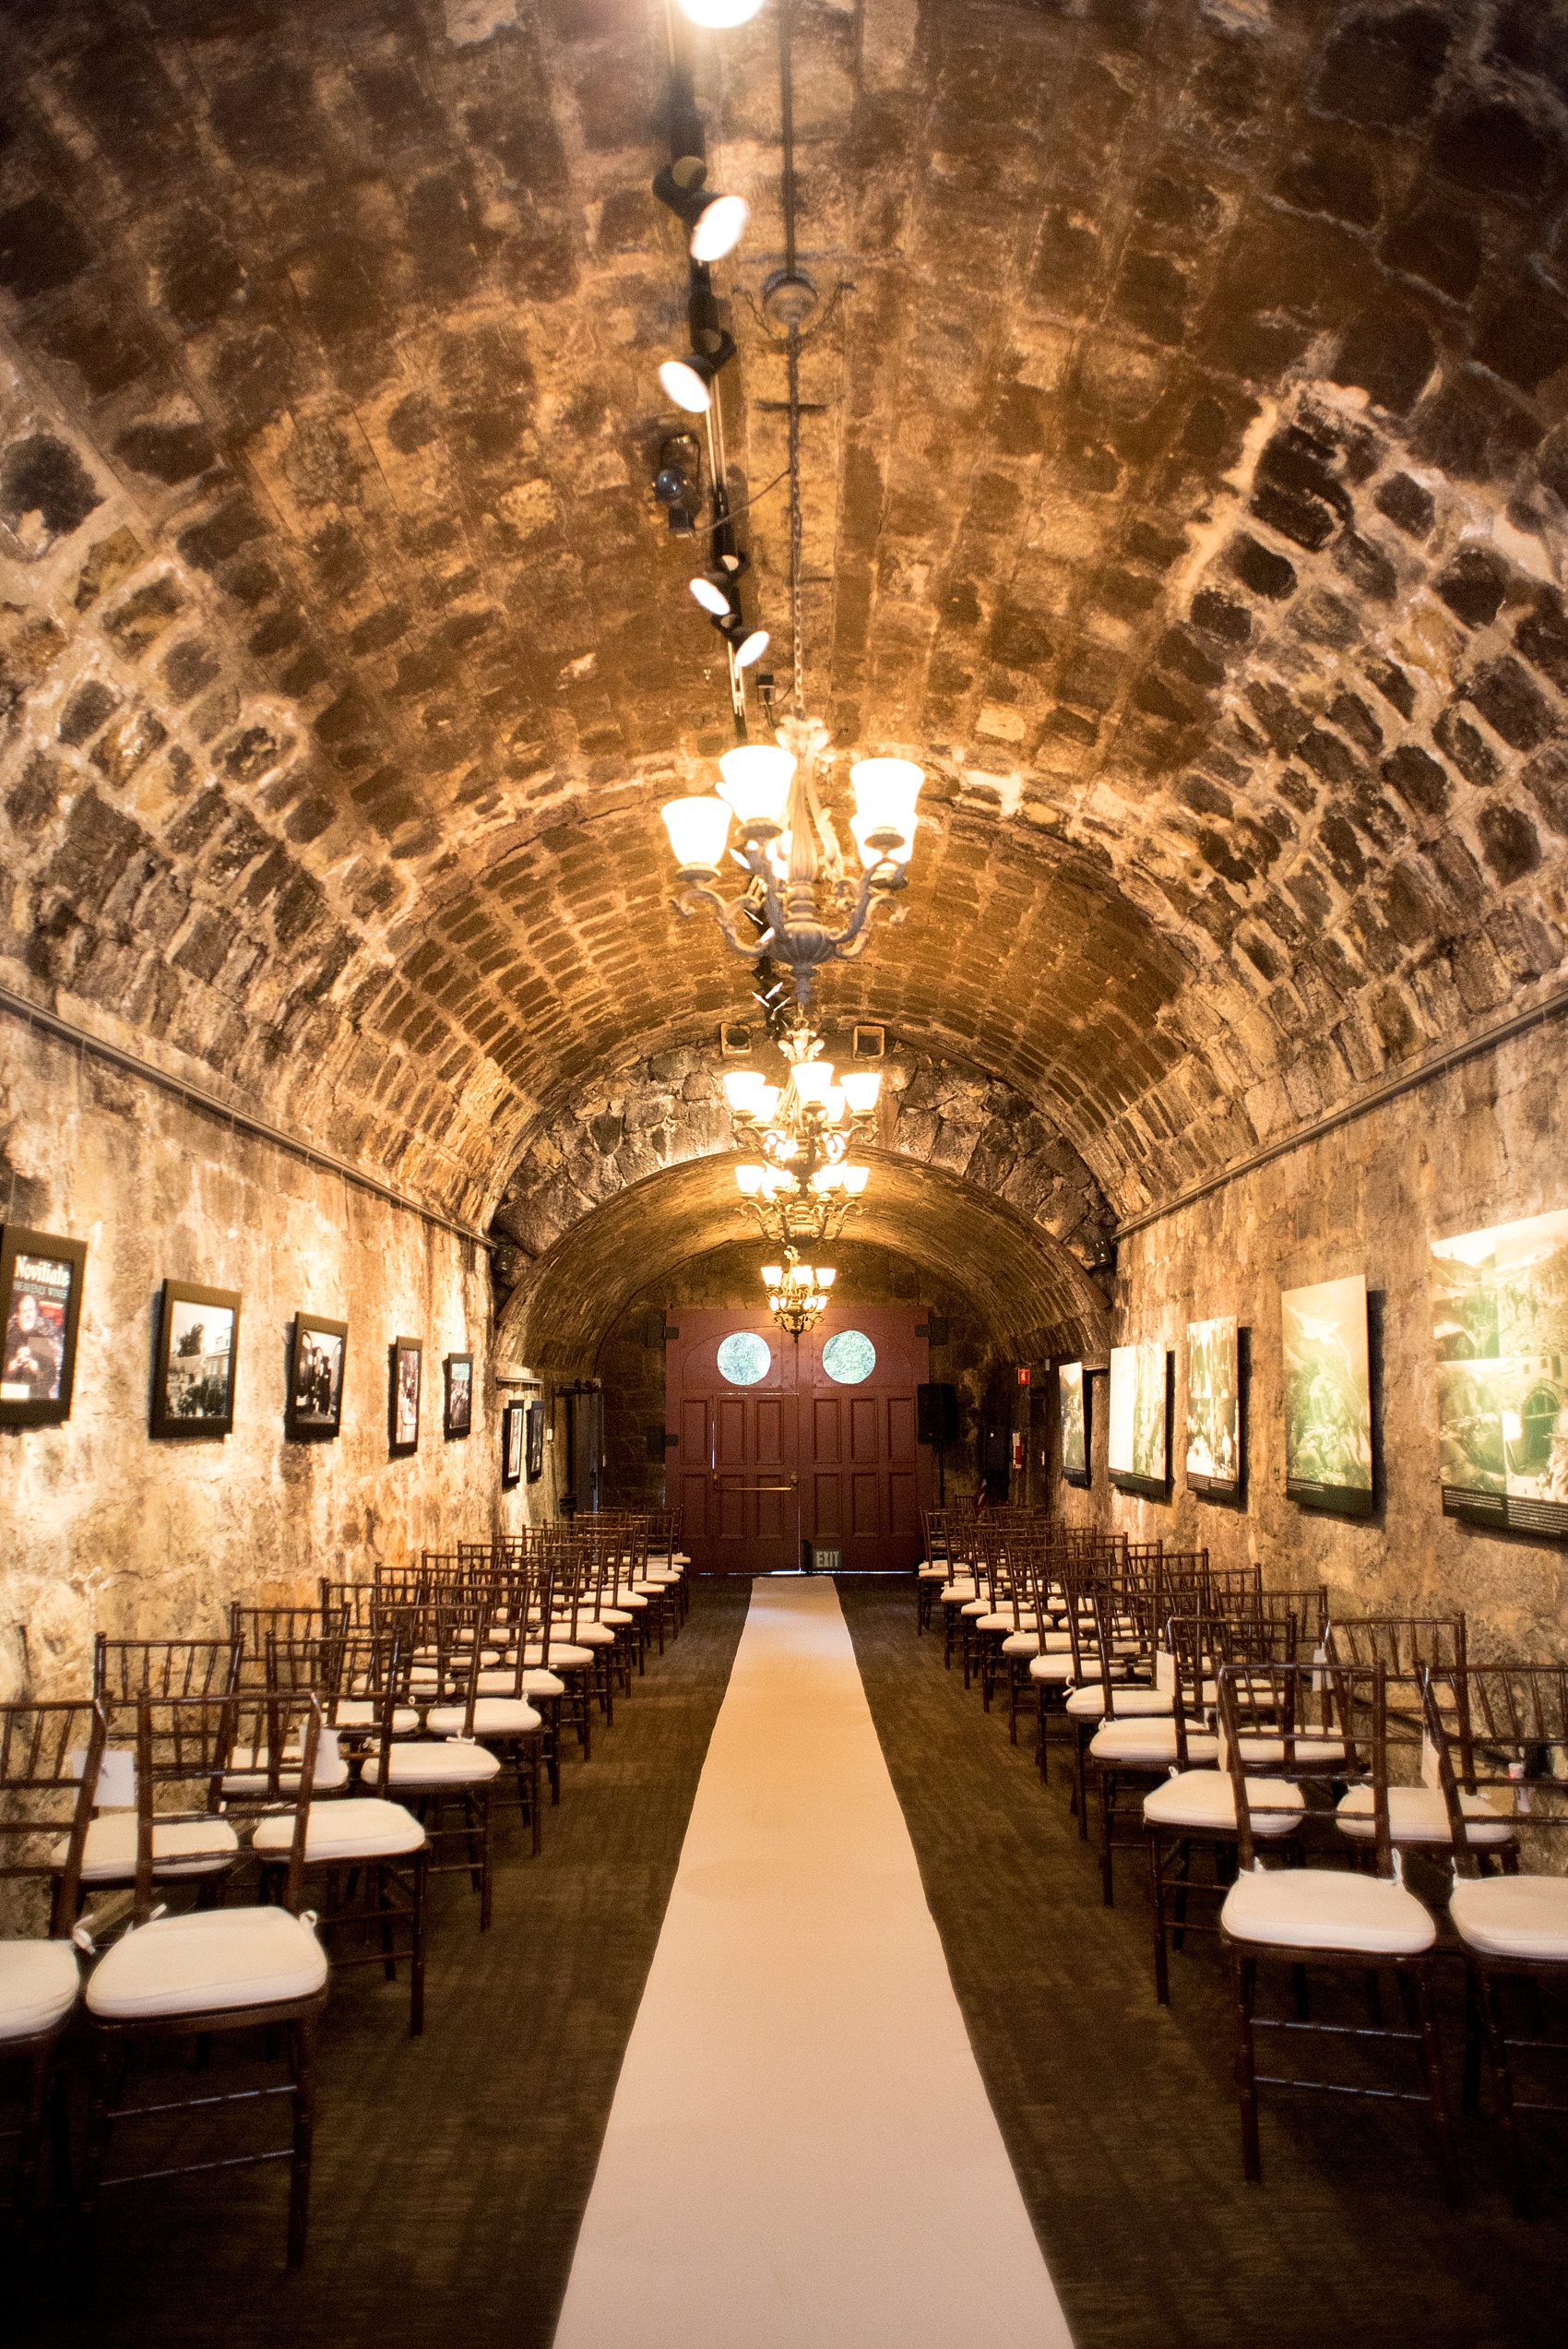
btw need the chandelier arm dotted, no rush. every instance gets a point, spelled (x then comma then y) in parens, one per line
(732, 917)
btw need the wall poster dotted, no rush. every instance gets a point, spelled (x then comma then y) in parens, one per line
(1140, 1445)
(1500, 1327)
(511, 1446)
(317, 1353)
(459, 1414)
(1328, 1431)
(535, 1447)
(408, 1370)
(198, 1353)
(40, 1303)
(1073, 1391)
(1214, 1408)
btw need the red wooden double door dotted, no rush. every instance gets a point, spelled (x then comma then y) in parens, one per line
(779, 1454)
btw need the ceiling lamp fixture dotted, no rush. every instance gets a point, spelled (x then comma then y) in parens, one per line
(803, 1188)
(797, 1292)
(806, 902)
(715, 224)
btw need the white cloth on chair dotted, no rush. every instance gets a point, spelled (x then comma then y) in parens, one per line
(211, 1960)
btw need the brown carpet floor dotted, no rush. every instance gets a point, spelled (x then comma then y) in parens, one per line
(451, 2172)
(1121, 2117)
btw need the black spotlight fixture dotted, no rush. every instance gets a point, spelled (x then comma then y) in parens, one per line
(715, 224)
(689, 381)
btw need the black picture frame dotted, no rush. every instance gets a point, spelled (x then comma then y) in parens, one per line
(1080, 1478)
(512, 1421)
(535, 1443)
(319, 1353)
(405, 1383)
(40, 1314)
(1227, 1368)
(1128, 1480)
(457, 1396)
(194, 1379)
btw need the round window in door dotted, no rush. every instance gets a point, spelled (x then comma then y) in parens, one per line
(744, 1359)
(848, 1356)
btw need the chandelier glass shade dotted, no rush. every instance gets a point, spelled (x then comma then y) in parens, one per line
(803, 905)
(797, 1292)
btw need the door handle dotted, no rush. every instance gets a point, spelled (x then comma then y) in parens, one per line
(793, 1485)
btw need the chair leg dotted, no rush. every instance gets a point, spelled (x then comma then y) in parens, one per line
(1157, 1901)
(485, 1888)
(35, 2118)
(534, 1744)
(301, 2039)
(1421, 1981)
(1246, 1970)
(1471, 2094)
(416, 1964)
(1502, 2089)
(382, 1902)
(1106, 1819)
(106, 2064)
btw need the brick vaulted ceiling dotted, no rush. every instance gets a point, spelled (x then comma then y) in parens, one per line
(1185, 489)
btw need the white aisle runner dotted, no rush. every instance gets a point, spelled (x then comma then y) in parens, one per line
(800, 2153)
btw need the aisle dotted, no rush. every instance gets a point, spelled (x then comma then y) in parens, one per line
(800, 2153)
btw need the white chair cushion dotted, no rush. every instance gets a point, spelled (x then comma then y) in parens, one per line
(1320, 1908)
(957, 1594)
(613, 1614)
(563, 1657)
(1512, 1917)
(433, 1761)
(999, 1622)
(38, 1982)
(1150, 1737)
(931, 1573)
(1021, 1643)
(1420, 1815)
(217, 1958)
(180, 1847)
(361, 1828)
(542, 1683)
(1057, 1668)
(628, 1600)
(1205, 1801)
(331, 1771)
(976, 1609)
(494, 1717)
(680, 1558)
(362, 1712)
(1087, 1704)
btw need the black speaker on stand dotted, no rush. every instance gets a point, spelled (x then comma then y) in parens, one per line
(937, 1423)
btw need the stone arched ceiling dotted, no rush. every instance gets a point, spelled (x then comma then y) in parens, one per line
(1031, 1293)
(1186, 481)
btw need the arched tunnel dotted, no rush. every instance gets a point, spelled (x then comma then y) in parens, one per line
(1182, 468)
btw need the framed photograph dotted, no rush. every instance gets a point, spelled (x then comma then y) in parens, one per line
(1329, 1431)
(1139, 1441)
(1214, 1409)
(535, 1444)
(40, 1303)
(198, 1355)
(317, 1350)
(512, 1444)
(459, 1414)
(408, 1368)
(1500, 1330)
(1073, 1392)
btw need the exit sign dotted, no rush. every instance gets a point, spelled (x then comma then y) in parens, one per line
(828, 1561)
(1023, 1374)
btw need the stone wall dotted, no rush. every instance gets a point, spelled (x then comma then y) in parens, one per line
(1476, 1147)
(104, 1528)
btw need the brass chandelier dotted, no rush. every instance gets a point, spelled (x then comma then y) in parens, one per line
(797, 1292)
(803, 1188)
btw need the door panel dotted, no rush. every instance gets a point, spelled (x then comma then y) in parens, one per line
(736, 1469)
(903, 1504)
(865, 1500)
(866, 1412)
(902, 1420)
(824, 1430)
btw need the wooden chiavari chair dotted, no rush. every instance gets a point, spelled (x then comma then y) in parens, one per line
(1501, 1731)
(444, 1781)
(215, 1970)
(1332, 1918)
(353, 1840)
(201, 1848)
(49, 1758)
(1194, 1808)
(122, 1668)
(502, 1722)
(1409, 1648)
(253, 1626)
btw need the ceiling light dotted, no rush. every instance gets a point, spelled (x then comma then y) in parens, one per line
(751, 648)
(720, 15)
(698, 828)
(861, 1087)
(712, 597)
(855, 1180)
(688, 381)
(743, 1088)
(756, 782)
(718, 227)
